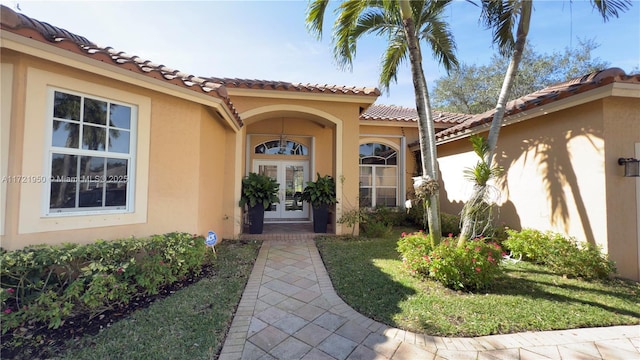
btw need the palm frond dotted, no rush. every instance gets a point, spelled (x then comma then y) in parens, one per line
(437, 34)
(608, 8)
(372, 21)
(395, 54)
(315, 17)
(500, 16)
(349, 13)
(480, 145)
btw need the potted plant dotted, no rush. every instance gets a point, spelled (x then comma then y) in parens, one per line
(320, 194)
(258, 193)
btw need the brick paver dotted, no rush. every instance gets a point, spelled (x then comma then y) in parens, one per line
(289, 310)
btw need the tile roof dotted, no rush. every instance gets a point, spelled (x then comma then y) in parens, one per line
(545, 96)
(299, 87)
(25, 26)
(398, 113)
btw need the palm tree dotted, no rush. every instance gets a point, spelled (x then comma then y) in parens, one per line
(404, 23)
(501, 16)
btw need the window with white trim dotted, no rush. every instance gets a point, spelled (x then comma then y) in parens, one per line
(281, 147)
(91, 157)
(378, 175)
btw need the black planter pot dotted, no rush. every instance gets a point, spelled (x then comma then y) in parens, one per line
(256, 219)
(320, 218)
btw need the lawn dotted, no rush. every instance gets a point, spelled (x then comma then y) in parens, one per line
(189, 324)
(368, 274)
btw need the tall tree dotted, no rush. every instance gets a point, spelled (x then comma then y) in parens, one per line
(502, 16)
(404, 23)
(473, 89)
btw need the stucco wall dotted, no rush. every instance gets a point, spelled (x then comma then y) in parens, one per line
(453, 158)
(168, 185)
(555, 173)
(560, 177)
(622, 133)
(212, 214)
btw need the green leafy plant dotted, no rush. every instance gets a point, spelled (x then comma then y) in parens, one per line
(375, 229)
(258, 188)
(474, 266)
(320, 192)
(477, 212)
(450, 223)
(414, 249)
(353, 217)
(389, 215)
(48, 284)
(562, 255)
(380, 220)
(532, 245)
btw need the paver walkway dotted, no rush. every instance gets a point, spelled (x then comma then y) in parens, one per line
(289, 310)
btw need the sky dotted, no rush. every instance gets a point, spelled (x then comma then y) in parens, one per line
(268, 40)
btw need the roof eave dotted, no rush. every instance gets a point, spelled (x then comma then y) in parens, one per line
(613, 89)
(50, 52)
(400, 123)
(304, 95)
(388, 123)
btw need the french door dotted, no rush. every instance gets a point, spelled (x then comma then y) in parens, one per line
(292, 177)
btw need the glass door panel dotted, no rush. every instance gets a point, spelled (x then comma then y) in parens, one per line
(272, 172)
(294, 182)
(292, 177)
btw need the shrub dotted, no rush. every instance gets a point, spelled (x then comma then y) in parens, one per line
(353, 216)
(579, 260)
(500, 235)
(449, 223)
(377, 229)
(532, 245)
(377, 222)
(472, 267)
(416, 215)
(562, 255)
(388, 215)
(51, 283)
(414, 249)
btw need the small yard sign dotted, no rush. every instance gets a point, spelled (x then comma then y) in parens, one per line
(211, 240)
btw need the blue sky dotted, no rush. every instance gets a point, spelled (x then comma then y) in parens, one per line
(268, 39)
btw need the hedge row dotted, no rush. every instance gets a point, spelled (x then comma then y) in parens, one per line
(52, 283)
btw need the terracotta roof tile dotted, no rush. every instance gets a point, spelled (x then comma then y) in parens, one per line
(545, 96)
(288, 86)
(41, 31)
(11, 19)
(398, 113)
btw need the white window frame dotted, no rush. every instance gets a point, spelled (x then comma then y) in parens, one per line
(129, 207)
(373, 167)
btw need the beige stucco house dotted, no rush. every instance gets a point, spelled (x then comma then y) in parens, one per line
(96, 143)
(559, 148)
(101, 144)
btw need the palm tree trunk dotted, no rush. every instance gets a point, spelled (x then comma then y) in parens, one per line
(496, 123)
(509, 78)
(426, 126)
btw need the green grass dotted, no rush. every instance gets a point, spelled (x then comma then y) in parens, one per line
(368, 274)
(190, 324)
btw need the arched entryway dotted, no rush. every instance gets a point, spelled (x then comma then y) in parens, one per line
(290, 144)
(288, 164)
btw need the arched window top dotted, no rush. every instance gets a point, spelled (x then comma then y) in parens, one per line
(281, 147)
(380, 154)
